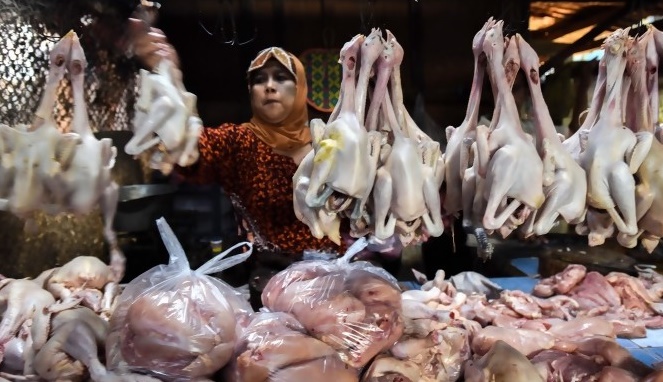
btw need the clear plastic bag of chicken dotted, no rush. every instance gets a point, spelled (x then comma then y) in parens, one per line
(177, 323)
(274, 347)
(354, 307)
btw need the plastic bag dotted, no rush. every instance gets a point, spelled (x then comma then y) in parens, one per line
(353, 307)
(274, 347)
(175, 322)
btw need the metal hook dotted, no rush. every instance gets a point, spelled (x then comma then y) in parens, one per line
(366, 24)
(231, 37)
(148, 11)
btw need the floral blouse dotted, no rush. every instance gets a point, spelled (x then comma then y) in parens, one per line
(259, 183)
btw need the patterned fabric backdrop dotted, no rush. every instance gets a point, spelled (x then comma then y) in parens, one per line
(323, 74)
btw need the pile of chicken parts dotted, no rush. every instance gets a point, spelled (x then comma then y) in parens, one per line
(327, 320)
(565, 331)
(375, 167)
(54, 326)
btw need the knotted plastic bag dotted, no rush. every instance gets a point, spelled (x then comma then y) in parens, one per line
(175, 322)
(275, 347)
(353, 307)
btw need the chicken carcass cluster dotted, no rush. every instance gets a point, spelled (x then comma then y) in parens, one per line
(174, 322)
(46, 170)
(370, 162)
(499, 176)
(353, 307)
(603, 179)
(166, 125)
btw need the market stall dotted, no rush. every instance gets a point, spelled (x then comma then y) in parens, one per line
(140, 300)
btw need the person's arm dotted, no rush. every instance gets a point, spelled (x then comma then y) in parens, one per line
(149, 45)
(216, 162)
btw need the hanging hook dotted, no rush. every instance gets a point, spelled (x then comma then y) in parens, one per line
(366, 24)
(148, 11)
(230, 37)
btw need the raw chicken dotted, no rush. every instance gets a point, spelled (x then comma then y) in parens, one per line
(175, 322)
(406, 192)
(524, 340)
(86, 279)
(338, 174)
(560, 283)
(613, 354)
(508, 160)
(648, 198)
(35, 156)
(502, 363)
(24, 300)
(459, 189)
(565, 195)
(166, 117)
(274, 347)
(72, 350)
(613, 153)
(88, 182)
(355, 308)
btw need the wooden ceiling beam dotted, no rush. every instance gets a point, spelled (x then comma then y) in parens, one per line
(582, 19)
(582, 42)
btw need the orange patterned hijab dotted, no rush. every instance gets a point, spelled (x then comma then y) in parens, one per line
(293, 132)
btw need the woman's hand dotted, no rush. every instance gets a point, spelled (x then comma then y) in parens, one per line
(150, 45)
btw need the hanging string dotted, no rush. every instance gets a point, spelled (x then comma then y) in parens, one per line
(225, 26)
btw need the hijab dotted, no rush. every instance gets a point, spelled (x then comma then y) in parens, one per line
(293, 132)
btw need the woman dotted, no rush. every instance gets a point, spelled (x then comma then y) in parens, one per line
(267, 149)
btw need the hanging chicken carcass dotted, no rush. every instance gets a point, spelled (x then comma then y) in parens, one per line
(62, 173)
(406, 196)
(565, 195)
(612, 153)
(166, 125)
(460, 181)
(337, 176)
(508, 160)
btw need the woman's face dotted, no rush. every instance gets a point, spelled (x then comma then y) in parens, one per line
(273, 91)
